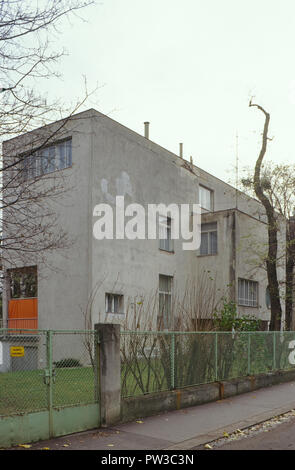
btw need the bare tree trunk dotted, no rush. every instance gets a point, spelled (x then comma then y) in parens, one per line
(271, 260)
(290, 263)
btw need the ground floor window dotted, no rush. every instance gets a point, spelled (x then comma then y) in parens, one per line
(114, 303)
(248, 293)
(165, 301)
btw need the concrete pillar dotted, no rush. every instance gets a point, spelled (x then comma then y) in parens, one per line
(109, 372)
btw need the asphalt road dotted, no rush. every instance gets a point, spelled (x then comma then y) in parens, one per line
(279, 437)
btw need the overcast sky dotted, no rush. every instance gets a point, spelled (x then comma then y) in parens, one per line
(189, 67)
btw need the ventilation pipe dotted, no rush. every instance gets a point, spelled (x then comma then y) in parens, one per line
(146, 129)
(181, 150)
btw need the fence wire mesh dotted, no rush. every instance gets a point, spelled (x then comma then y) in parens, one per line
(158, 361)
(145, 363)
(22, 364)
(74, 369)
(44, 369)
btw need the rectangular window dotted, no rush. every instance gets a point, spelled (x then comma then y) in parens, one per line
(165, 298)
(114, 303)
(166, 243)
(248, 293)
(205, 198)
(49, 159)
(208, 239)
(23, 282)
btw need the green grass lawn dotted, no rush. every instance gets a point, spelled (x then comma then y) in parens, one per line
(25, 391)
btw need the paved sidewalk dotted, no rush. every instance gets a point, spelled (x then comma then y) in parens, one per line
(184, 429)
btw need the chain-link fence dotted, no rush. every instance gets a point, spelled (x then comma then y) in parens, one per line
(46, 369)
(158, 361)
(41, 370)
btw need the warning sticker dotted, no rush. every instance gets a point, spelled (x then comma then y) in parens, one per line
(17, 351)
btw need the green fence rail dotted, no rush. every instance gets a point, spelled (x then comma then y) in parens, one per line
(159, 361)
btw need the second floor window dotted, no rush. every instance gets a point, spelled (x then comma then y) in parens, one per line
(49, 159)
(206, 198)
(208, 239)
(166, 243)
(23, 282)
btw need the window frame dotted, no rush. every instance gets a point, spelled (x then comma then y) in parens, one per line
(22, 280)
(208, 232)
(37, 165)
(245, 300)
(120, 298)
(211, 192)
(166, 244)
(165, 316)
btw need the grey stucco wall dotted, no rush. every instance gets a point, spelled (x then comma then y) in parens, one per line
(110, 160)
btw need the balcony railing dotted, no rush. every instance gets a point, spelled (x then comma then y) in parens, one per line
(23, 323)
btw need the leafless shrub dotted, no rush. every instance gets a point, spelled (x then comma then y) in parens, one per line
(154, 361)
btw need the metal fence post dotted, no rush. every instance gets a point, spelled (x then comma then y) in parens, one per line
(249, 353)
(172, 361)
(96, 368)
(274, 350)
(48, 377)
(216, 356)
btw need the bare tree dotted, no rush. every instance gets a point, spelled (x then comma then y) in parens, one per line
(272, 255)
(26, 57)
(278, 181)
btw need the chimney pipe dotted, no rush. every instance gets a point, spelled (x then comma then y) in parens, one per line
(191, 159)
(181, 150)
(146, 129)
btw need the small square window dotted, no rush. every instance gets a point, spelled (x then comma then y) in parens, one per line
(114, 303)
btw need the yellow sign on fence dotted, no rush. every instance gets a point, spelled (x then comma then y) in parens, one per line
(17, 351)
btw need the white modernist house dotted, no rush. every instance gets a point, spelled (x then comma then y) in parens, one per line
(140, 282)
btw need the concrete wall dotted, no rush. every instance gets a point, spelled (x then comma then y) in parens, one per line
(148, 405)
(127, 164)
(221, 266)
(242, 245)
